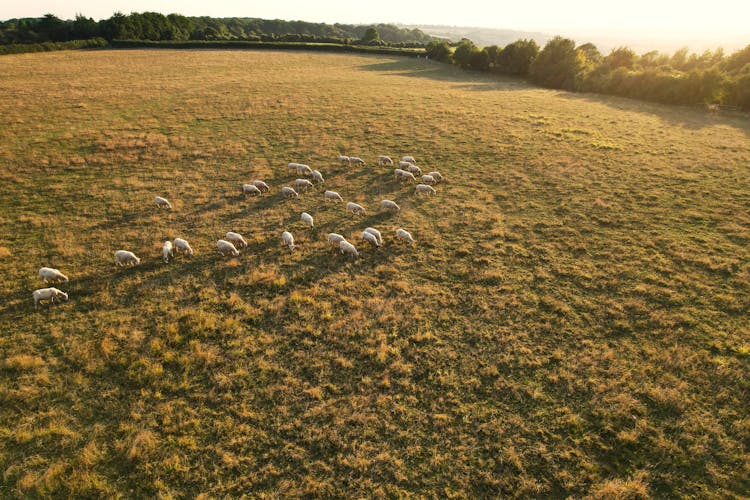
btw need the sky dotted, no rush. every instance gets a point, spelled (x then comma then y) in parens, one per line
(703, 19)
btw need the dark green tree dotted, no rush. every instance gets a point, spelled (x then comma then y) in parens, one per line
(516, 58)
(465, 53)
(439, 51)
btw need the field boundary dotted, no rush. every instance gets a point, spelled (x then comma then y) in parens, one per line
(248, 44)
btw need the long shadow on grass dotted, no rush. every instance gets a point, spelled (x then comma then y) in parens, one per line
(692, 118)
(471, 80)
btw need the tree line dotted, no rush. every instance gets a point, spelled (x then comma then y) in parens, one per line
(175, 27)
(681, 78)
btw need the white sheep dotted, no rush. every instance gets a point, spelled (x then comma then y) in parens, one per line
(397, 172)
(348, 248)
(428, 179)
(181, 245)
(307, 219)
(51, 294)
(288, 192)
(123, 257)
(355, 208)
(292, 166)
(435, 175)
(50, 275)
(225, 247)
(414, 169)
(261, 185)
(355, 160)
(303, 169)
(390, 205)
(404, 164)
(385, 160)
(343, 159)
(333, 195)
(236, 239)
(167, 251)
(410, 159)
(371, 238)
(251, 189)
(377, 234)
(318, 177)
(162, 203)
(335, 238)
(302, 184)
(424, 188)
(404, 235)
(407, 176)
(288, 240)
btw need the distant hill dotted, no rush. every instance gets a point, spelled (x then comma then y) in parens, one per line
(640, 42)
(482, 36)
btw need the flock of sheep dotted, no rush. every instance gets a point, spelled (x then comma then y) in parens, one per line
(228, 246)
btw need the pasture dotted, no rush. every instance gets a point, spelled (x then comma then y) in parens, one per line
(572, 320)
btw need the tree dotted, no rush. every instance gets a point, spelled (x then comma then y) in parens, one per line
(439, 51)
(371, 35)
(621, 57)
(558, 65)
(516, 58)
(465, 53)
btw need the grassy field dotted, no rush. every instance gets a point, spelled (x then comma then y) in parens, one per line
(573, 319)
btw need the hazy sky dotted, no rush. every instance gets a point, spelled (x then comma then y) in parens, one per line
(702, 18)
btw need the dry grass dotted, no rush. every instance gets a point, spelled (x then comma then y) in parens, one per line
(572, 321)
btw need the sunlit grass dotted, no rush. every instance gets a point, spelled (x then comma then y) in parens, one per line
(571, 321)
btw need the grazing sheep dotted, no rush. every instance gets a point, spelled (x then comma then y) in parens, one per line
(428, 179)
(288, 240)
(50, 275)
(385, 160)
(414, 169)
(355, 208)
(343, 159)
(318, 177)
(335, 238)
(250, 189)
(424, 188)
(261, 185)
(410, 159)
(181, 245)
(435, 175)
(404, 164)
(302, 184)
(390, 205)
(162, 203)
(304, 170)
(293, 166)
(407, 176)
(167, 251)
(226, 247)
(355, 160)
(123, 257)
(51, 294)
(348, 248)
(333, 195)
(307, 219)
(371, 238)
(397, 172)
(377, 234)
(288, 192)
(236, 239)
(404, 235)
